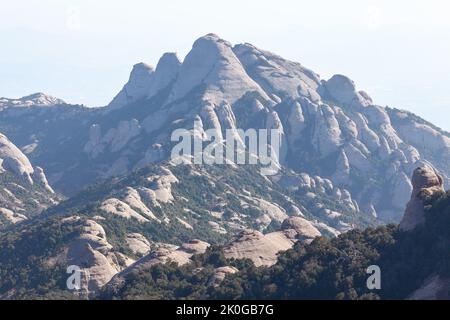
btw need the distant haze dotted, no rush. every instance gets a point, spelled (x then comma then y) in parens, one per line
(83, 51)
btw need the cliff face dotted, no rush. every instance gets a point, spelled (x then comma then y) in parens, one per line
(24, 189)
(426, 182)
(330, 129)
(345, 162)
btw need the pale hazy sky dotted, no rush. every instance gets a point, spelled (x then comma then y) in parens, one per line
(82, 51)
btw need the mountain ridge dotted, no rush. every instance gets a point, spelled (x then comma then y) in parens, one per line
(344, 165)
(324, 124)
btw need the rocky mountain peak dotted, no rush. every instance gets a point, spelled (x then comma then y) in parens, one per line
(166, 72)
(141, 69)
(278, 76)
(343, 90)
(426, 181)
(303, 227)
(211, 37)
(37, 99)
(212, 63)
(136, 88)
(168, 62)
(426, 177)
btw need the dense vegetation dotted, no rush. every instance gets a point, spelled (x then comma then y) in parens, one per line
(27, 247)
(325, 269)
(25, 271)
(215, 190)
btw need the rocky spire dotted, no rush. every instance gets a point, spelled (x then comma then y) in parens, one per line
(40, 178)
(137, 87)
(165, 73)
(426, 181)
(212, 64)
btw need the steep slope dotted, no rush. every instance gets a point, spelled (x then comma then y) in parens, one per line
(212, 63)
(329, 129)
(24, 190)
(212, 203)
(52, 137)
(413, 264)
(161, 213)
(138, 86)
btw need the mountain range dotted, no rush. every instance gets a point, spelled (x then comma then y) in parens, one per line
(103, 177)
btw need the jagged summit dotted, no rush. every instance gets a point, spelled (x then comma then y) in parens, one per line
(225, 73)
(344, 163)
(12, 159)
(211, 64)
(329, 128)
(37, 99)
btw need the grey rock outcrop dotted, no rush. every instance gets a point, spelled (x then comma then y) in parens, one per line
(114, 140)
(343, 90)
(329, 128)
(25, 192)
(40, 178)
(166, 73)
(426, 181)
(91, 252)
(162, 255)
(263, 249)
(220, 274)
(212, 63)
(305, 230)
(277, 76)
(11, 158)
(137, 88)
(138, 243)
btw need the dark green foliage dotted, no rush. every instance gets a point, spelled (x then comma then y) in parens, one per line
(325, 269)
(25, 271)
(171, 281)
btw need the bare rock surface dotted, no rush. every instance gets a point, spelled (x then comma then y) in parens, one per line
(162, 255)
(137, 87)
(263, 249)
(426, 181)
(138, 243)
(11, 158)
(212, 62)
(220, 274)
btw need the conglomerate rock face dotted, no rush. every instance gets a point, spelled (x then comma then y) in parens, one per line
(328, 128)
(24, 189)
(426, 181)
